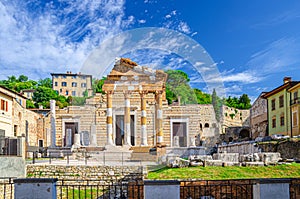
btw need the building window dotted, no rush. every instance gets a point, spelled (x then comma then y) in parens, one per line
(64, 84)
(281, 101)
(295, 119)
(282, 120)
(60, 90)
(64, 76)
(206, 125)
(74, 77)
(67, 92)
(83, 85)
(74, 84)
(83, 77)
(273, 122)
(273, 104)
(295, 95)
(73, 93)
(55, 83)
(4, 105)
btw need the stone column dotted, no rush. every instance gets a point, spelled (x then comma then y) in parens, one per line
(109, 119)
(143, 119)
(53, 127)
(127, 129)
(93, 136)
(159, 119)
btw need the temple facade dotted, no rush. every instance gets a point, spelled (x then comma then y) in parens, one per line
(133, 111)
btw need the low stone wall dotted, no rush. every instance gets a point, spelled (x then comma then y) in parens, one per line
(288, 149)
(241, 148)
(105, 173)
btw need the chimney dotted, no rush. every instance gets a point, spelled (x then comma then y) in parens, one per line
(287, 79)
(178, 98)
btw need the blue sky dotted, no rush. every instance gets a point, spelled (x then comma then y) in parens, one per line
(254, 44)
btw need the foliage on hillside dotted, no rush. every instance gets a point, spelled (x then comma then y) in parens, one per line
(43, 91)
(178, 85)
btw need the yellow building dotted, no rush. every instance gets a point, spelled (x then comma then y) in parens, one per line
(8, 98)
(279, 110)
(70, 84)
(295, 108)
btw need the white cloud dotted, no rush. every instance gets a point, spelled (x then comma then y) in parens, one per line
(142, 21)
(194, 33)
(54, 38)
(183, 27)
(280, 55)
(168, 16)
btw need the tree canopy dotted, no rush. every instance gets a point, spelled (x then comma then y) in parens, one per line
(178, 85)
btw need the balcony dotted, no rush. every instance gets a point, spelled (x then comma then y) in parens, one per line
(295, 101)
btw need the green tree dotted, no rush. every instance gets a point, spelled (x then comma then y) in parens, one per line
(43, 95)
(97, 85)
(217, 104)
(29, 104)
(47, 82)
(243, 102)
(178, 85)
(22, 78)
(202, 98)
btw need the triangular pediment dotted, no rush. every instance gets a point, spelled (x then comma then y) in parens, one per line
(127, 72)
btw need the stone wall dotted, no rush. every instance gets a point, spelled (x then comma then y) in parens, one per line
(235, 117)
(28, 123)
(68, 172)
(288, 149)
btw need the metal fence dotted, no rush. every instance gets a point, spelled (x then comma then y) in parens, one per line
(217, 189)
(102, 189)
(295, 189)
(6, 188)
(88, 158)
(85, 189)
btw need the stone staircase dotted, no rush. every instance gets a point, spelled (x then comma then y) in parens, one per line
(142, 153)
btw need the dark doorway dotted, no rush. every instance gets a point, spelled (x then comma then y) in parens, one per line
(119, 130)
(179, 129)
(119, 140)
(244, 133)
(71, 128)
(132, 130)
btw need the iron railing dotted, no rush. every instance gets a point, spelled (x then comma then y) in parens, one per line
(85, 189)
(6, 188)
(295, 189)
(88, 158)
(217, 189)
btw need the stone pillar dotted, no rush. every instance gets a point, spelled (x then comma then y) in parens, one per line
(93, 136)
(159, 119)
(76, 141)
(143, 118)
(53, 127)
(109, 119)
(127, 129)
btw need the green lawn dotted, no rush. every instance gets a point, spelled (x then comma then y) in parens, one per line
(230, 172)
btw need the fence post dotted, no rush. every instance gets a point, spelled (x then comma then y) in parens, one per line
(33, 157)
(42, 187)
(162, 189)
